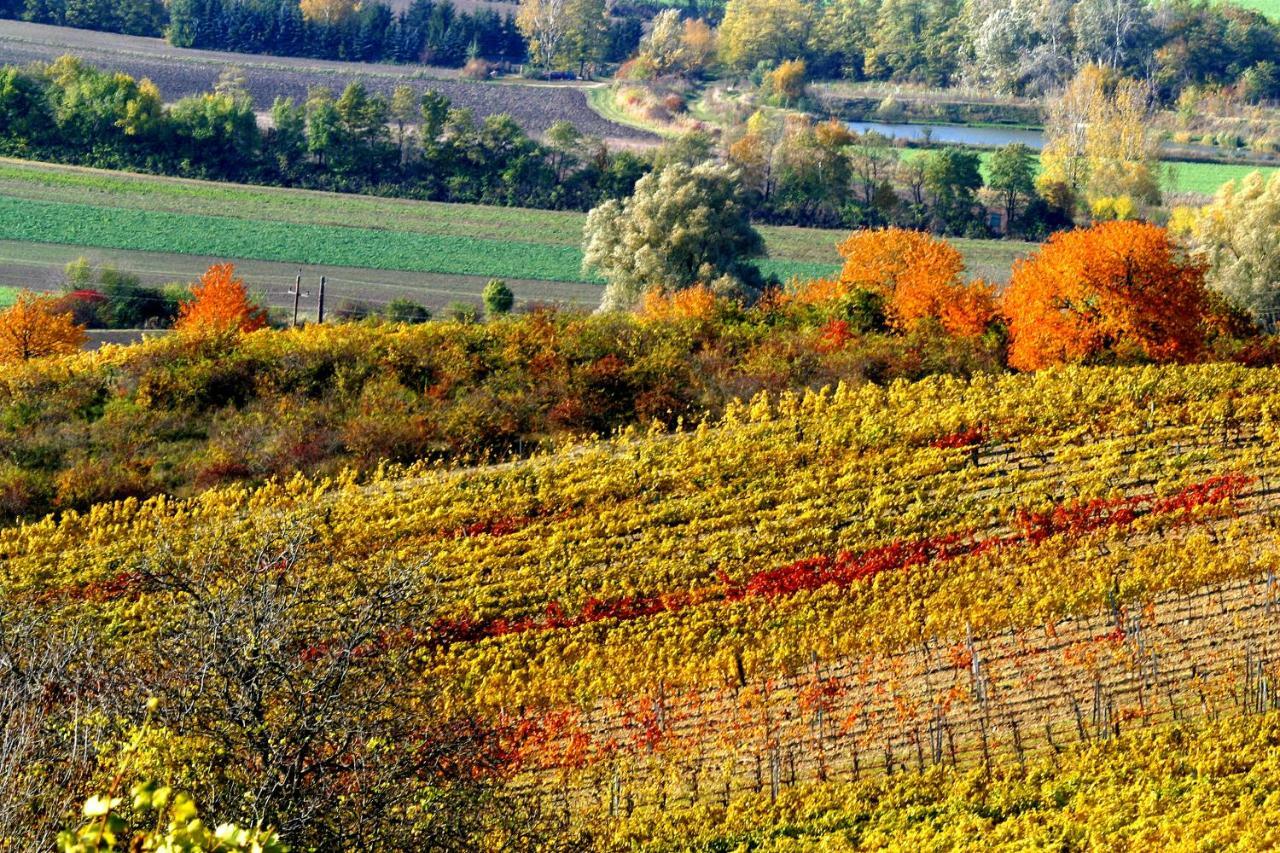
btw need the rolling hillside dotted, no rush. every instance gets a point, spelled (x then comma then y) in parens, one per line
(690, 632)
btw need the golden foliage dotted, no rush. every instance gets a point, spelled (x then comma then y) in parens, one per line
(691, 303)
(328, 11)
(33, 328)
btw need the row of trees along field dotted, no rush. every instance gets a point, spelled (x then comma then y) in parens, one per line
(411, 144)
(1024, 47)
(1020, 47)
(213, 403)
(791, 170)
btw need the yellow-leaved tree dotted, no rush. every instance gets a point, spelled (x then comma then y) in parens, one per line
(763, 30)
(33, 328)
(1099, 149)
(328, 11)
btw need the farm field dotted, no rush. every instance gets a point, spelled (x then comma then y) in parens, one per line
(121, 211)
(7, 295)
(181, 71)
(682, 632)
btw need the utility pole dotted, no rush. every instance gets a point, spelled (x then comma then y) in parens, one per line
(320, 310)
(297, 291)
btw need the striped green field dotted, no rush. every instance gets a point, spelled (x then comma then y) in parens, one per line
(41, 203)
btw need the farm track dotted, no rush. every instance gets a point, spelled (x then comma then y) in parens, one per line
(179, 72)
(1003, 697)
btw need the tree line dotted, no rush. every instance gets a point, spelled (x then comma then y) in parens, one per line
(1024, 47)
(413, 144)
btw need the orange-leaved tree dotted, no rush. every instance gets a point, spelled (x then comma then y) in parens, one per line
(1119, 286)
(219, 304)
(920, 277)
(33, 327)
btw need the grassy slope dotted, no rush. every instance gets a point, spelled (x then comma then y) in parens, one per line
(85, 207)
(7, 295)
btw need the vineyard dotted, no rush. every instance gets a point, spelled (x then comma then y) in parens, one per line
(839, 588)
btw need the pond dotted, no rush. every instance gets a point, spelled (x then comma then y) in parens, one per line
(953, 134)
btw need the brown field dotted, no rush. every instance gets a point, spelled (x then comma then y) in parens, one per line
(179, 72)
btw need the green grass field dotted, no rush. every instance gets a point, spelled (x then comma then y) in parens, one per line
(111, 210)
(1270, 8)
(7, 295)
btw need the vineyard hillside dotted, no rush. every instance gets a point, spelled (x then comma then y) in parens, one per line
(700, 633)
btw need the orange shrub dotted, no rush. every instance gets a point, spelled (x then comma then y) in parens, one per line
(690, 303)
(220, 304)
(1117, 285)
(920, 277)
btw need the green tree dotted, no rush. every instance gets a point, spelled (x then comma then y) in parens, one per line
(498, 298)
(683, 226)
(1011, 173)
(952, 176)
(324, 125)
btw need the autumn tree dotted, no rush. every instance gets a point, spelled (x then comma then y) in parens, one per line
(787, 82)
(562, 33)
(1099, 145)
(683, 226)
(33, 328)
(812, 180)
(1235, 236)
(219, 304)
(920, 277)
(327, 11)
(755, 31)
(1122, 287)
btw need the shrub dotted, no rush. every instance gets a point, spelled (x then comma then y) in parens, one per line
(462, 312)
(404, 310)
(498, 298)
